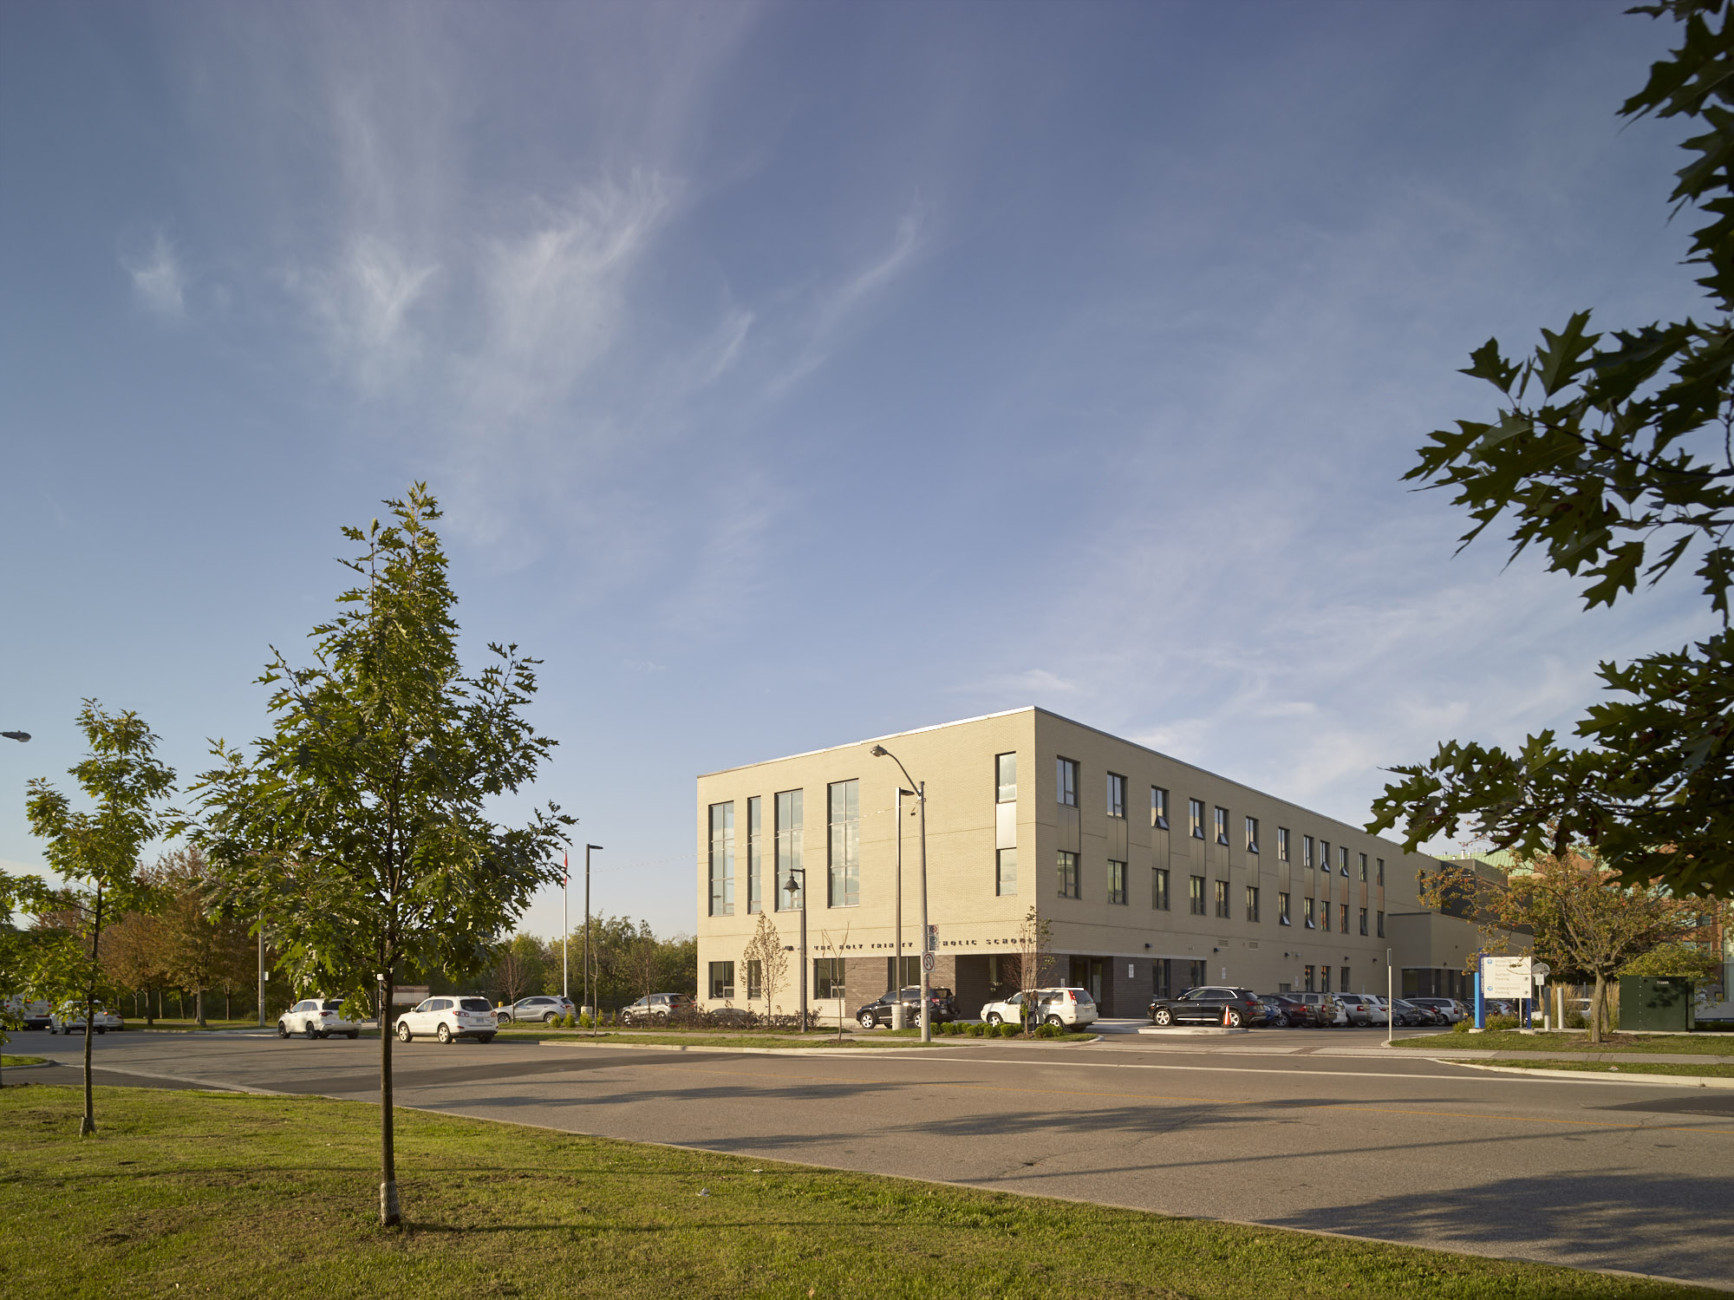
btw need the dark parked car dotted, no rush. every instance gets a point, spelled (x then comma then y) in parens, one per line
(1209, 1005)
(545, 1009)
(657, 1009)
(941, 1007)
(1416, 1016)
(730, 1017)
(1287, 1012)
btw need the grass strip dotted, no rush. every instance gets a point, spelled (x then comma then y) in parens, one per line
(1507, 1040)
(231, 1194)
(7, 1062)
(1624, 1067)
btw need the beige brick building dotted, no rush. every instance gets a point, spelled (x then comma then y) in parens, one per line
(1152, 875)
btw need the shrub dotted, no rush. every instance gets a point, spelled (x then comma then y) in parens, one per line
(1503, 1022)
(975, 1031)
(1576, 1020)
(1009, 1030)
(1050, 1031)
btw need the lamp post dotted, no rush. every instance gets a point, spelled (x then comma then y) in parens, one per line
(879, 751)
(790, 889)
(1390, 1000)
(588, 850)
(897, 1018)
(566, 928)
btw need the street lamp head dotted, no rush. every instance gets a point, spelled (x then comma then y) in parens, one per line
(597, 847)
(879, 751)
(19, 736)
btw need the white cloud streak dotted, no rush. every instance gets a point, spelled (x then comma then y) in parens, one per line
(157, 279)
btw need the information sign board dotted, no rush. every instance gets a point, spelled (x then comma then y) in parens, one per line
(1506, 977)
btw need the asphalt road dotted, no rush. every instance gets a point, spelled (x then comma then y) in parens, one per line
(1315, 1131)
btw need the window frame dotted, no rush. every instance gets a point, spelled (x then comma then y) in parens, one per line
(1160, 898)
(1067, 773)
(1159, 807)
(1117, 882)
(1224, 911)
(1000, 878)
(1219, 823)
(1116, 793)
(1252, 835)
(1195, 816)
(999, 781)
(1067, 865)
(1252, 903)
(1196, 905)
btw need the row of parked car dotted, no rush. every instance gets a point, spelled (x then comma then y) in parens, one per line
(1242, 1008)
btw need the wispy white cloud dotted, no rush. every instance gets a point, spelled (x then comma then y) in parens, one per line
(362, 305)
(157, 278)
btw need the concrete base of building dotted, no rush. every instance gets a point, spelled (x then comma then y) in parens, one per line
(1192, 1031)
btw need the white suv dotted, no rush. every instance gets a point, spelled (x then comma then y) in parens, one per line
(1072, 1007)
(449, 1018)
(316, 1018)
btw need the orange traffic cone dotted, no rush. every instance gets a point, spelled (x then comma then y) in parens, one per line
(1226, 1022)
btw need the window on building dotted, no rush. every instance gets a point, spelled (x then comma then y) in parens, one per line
(1325, 856)
(1343, 981)
(1221, 816)
(755, 981)
(1363, 868)
(1068, 875)
(788, 833)
(1282, 913)
(1162, 978)
(1159, 889)
(1222, 898)
(1308, 906)
(1116, 795)
(1309, 979)
(1197, 971)
(1252, 835)
(1343, 859)
(1005, 774)
(1116, 881)
(722, 979)
(1006, 872)
(722, 859)
(845, 844)
(1195, 894)
(1381, 871)
(755, 854)
(1066, 775)
(1306, 850)
(1324, 979)
(828, 979)
(1363, 920)
(1381, 919)
(1158, 807)
(1252, 902)
(1282, 844)
(1195, 817)
(1342, 918)
(1325, 916)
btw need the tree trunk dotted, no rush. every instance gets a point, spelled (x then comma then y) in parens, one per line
(199, 1006)
(389, 1214)
(87, 1125)
(1597, 1009)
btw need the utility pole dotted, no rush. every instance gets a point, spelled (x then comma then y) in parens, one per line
(1390, 999)
(261, 972)
(566, 930)
(790, 889)
(588, 849)
(897, 1020)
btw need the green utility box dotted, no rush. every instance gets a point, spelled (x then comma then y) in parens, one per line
(1647, 1002)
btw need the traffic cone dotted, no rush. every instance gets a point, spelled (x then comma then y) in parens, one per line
(1226, 1022)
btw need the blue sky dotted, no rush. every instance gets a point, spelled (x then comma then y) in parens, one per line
(793, 374)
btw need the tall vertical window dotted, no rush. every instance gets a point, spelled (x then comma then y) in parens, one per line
(1162, 977)
(1363, 920)
(1343, 859)
(1306, 850)
(755, 980)
(1195, 815)
(1282, 915)
(1325, 856)
(1307, 906)
(1222, 826)
(1343, 979)
(1197, 972)
(1363, 868)
(1005, 872)
(1158, 808)
(1116, 881)
(1005, 776)
(1195, 894)
(1252, 902)
(1068, 864)
(1324, 979)
(788, 832)
(1252, 835)
(845, 843)
(1066, 780)
(722, 860)
(1282, 844)
(1116, 795)
(1309, 979)
(1381, 871)
(722, 979)
(1222, 898)
(1381, 925)
(1343, 918)
(1159, 889)
(828, 981)
(755, 854)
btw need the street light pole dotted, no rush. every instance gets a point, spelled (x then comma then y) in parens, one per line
(566, 930)
(791, 887)
(1390, 999)
(897, 1020)
(588, 849)
(879, 751)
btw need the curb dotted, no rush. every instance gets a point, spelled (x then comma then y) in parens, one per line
(854, 1052)
(34, 1065)
(1598, 1076)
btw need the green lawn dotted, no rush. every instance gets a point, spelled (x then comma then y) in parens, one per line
(1509, 1040)
(1624, 1067)
(7, 1062)
(241, 1195)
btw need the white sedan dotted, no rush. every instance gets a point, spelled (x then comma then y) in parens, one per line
(448, 1018)
(316, 1018)
(68, 1018)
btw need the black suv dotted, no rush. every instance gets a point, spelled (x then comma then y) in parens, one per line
(1219, 1005)
(941, 1007)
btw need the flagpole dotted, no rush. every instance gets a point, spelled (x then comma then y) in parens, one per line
(565, 931)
